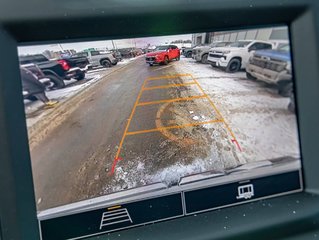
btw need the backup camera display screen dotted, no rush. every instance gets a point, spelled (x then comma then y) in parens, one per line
(120, 118)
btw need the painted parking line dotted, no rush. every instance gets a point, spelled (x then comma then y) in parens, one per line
(173, 127)
(170, 86)
(219, 119)
(117, 156)
(234, 139)
(169, 76)
(171, 100)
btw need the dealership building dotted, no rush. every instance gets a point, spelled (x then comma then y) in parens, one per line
(266, 34)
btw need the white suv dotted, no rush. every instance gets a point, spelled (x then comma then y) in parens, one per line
(235, 56)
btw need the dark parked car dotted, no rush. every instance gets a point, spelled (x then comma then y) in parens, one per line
(33, 68)
(33, 81)
(187, 52)
(117, 55)
(55, 70)
(127, 52)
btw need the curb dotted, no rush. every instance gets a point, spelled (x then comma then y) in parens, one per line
(38, 131)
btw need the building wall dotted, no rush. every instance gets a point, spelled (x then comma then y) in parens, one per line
(199, 38)
(266, 34)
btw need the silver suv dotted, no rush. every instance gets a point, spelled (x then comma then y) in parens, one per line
(97, 58)
(200, 53)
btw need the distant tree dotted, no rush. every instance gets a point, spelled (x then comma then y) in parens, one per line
(177, 41)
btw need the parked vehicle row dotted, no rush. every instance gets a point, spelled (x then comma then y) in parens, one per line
(97, 58)
(262, 60)
(130, 52)
(55, 70)
(200, 53)
(266, 61)
(37, 79)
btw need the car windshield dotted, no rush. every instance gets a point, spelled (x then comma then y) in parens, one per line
(33, 59)
(161, 48)
(240, 44)
(81, 54)
(285, 48)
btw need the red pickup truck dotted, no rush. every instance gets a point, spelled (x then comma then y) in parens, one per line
(163, 55)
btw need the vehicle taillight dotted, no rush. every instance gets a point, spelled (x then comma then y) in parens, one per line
(64, 64)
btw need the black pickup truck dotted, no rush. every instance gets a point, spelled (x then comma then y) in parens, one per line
(55, 70)
(77, 61)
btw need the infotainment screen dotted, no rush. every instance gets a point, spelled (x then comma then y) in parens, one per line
(126, 132)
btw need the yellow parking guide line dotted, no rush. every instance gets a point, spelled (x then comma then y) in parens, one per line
(115, 207)
(169, 86)
(169, 76)
(171, 100)
(129, 121)
(215, 108)
(172, 127)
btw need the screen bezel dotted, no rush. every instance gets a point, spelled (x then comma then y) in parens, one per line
(16, 163)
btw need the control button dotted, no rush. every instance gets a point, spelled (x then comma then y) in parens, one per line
(114, 217)
(245, 191)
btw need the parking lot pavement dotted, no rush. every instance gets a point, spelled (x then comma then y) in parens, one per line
(36, 111)
(185, 132)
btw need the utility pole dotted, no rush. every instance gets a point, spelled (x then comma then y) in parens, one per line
(60, 46)
(113, 45)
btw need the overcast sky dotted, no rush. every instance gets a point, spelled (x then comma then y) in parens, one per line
(79, 46)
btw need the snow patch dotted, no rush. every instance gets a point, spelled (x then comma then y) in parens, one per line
(195, 118)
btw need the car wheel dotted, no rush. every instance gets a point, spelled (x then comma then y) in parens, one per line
(151, 64)
(233, 66)
(114, 63)
(80, 76)
(32, 98)
(57, 82)
(285, 88)
(250, 77)
(204, 59)
(166, 60)
(178, 58)
(189, 55)
(291, 106)
(106, 63)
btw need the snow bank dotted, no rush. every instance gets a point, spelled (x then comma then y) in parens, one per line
(255, 112)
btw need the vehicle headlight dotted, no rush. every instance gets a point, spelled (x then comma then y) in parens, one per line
(226, 52)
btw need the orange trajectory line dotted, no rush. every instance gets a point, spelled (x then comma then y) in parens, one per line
(115, 207)
(137, 103)
(171, 100)
(169, 86)
(169, 76)
(173, 127)
(129, 121)
(234, 140)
